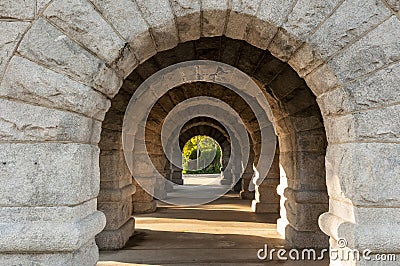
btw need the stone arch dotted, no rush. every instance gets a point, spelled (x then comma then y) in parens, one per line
(351, 67)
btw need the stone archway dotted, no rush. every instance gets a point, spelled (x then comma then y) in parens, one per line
(77, 53)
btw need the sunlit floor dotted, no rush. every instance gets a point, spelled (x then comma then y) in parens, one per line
(223, 232)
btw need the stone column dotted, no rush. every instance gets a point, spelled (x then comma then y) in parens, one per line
(227, 175)
(168, 176)
(115, 200)
(266, 195)
(247, 176)
(143, 202)
(176, 176)
(48, 203)
(303, 194)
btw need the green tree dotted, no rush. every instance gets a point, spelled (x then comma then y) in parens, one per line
(207, 148)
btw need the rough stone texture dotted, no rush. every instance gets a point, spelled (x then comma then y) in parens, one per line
(40, 5)
(353, 169)
(187, 13)
(117, 213)
(24, 122)
(45, 44)
(318, 85)
(214, 17)
(374, 125)
(58, 228)
(306, 15)
(127, 19)
(48, 173)
(240, 17)
(51, 89)
(11, 33)
(304, 60)
(86, 255)
(159, 16)
(81, 21)
(284, 45)
(394, 4)
(376, 90)
(18, 9)
(360, 16)
(116, 239)
(378, 49)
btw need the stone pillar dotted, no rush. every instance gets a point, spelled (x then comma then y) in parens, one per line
(303, 199)
(247, 176)
(48, 203)
(227, 175)
(176, 176)
(144, 202)
(266, 195)
(362, 207)
(168, 176)
(115, 200)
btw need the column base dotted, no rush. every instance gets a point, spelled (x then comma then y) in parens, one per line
(177, 181)
(260, 207)
(248, 195)
(87, 255)
(306, 239)
(116, 239)
(144, 207)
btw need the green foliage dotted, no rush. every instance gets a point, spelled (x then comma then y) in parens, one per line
(208, 147)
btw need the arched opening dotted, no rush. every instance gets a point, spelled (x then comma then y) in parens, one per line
(331, 84)
(201, 155)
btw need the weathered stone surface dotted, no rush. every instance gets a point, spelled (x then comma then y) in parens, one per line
(322, 80)
(285, 82)
(260, 207)
(144, 207)
(275, 11)
(312, 141)
(240, 17)
(159, 16)
(305, 60)
(306, 239)
(378, 124)
(187, 13)
(117, 213)
(377, 49)
(376, 90)
(11, 33)
(360, 16)
(25, 122)
(394, 4)
(283, 45)
(46, 44)
(125, 16)
(356, 172)
(214, 17)
(51, 89)
(116, 239)
(116, 194)
(306, 16)
(48, 173)
(18, 9)
(80, 20)
(40, 5)
(51, 237)
(113, 165)
(308, 220)
(86, 255)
